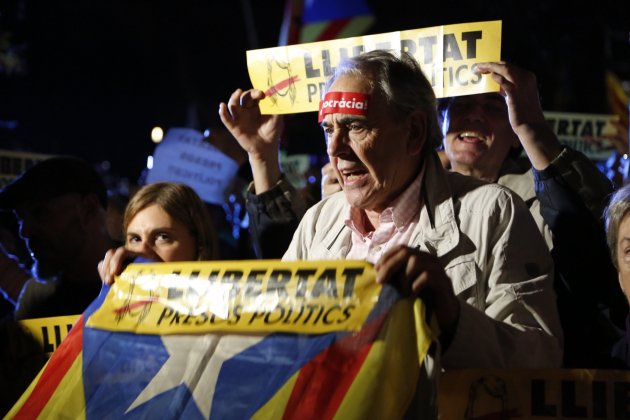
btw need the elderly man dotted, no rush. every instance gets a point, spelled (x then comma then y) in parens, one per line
(469, 248)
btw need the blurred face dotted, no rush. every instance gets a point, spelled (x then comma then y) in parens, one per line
(55, 233)
(371, 154)
(623, 255)
(478, 135)
(154, 234)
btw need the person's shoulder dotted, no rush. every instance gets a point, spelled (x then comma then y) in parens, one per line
(33, 294)
(332, 203)
(480, 194)
(327, 212)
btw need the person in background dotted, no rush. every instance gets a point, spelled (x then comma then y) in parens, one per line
(484, 136)
(617, 166)
(60, 207)
(115, 212)
(164, 221)
(456, 242)
(617, 217)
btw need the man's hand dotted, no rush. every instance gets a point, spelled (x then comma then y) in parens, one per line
(420, 274)
(520, 89)
(259, 135)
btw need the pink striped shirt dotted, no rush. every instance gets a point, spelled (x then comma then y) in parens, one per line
(396, 225)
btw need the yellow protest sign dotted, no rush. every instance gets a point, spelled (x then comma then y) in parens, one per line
(586, 133)
(529, 393)
(258, 295)
(49, 332)
(293, 76)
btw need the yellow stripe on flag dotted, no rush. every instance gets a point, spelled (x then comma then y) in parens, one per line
(274, 408)
(68, 400)
(387, 381)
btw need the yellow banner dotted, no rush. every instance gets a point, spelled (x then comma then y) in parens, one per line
(540, 394)
(257, 295)
(294, 76)
(587, 133)
(49, 332)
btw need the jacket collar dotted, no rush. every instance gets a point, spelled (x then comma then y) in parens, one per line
(437, 228)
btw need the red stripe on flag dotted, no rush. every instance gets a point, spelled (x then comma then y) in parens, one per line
(57, 367)
(333, 29)
(322, 384)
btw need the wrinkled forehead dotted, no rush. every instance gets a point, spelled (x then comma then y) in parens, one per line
(480, 98)
(350, 82)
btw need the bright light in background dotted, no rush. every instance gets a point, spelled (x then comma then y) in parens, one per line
(149, 162)
(157, 134)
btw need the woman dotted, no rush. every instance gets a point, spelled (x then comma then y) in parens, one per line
(617, 216)
(166, 222)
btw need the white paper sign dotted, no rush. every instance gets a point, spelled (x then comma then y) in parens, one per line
(183, 156)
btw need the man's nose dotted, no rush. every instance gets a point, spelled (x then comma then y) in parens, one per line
(475, 112)
(337, 143)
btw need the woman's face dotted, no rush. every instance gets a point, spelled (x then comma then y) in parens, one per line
(623, 255)
(155, 235)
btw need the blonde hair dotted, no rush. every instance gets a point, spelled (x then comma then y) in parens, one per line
(184, 205)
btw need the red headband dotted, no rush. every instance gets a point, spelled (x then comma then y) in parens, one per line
(344, 103)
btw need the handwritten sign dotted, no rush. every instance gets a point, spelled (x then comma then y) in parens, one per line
(183, 156)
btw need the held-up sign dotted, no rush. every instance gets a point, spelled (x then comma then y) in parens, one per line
(183, 156)
(587, 133)
(293, 76)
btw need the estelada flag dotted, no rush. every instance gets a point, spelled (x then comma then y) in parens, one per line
(246, 339)
(321, 20)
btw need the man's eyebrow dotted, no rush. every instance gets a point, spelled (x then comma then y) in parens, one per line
(345, 121)
(495, 97)
(350, 119)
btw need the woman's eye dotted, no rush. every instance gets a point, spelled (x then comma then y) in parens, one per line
(162, 237)
(133, 239)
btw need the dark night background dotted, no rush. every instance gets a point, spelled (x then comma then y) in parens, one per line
(96, 76)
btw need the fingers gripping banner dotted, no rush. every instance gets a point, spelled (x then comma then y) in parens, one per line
(248, 339)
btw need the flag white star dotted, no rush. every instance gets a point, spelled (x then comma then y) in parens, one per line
(195, 360)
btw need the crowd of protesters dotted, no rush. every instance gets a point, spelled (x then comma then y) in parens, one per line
(505, 235)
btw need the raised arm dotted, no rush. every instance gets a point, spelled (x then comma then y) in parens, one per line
(519, 87)
(259, 135)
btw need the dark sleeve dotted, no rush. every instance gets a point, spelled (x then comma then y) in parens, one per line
(589, 297)
(573, 170)
(274, 216)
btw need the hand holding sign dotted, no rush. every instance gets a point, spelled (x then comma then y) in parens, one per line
(258, 135)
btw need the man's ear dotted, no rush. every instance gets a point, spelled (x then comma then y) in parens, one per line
(417, 132)
(90, 205)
